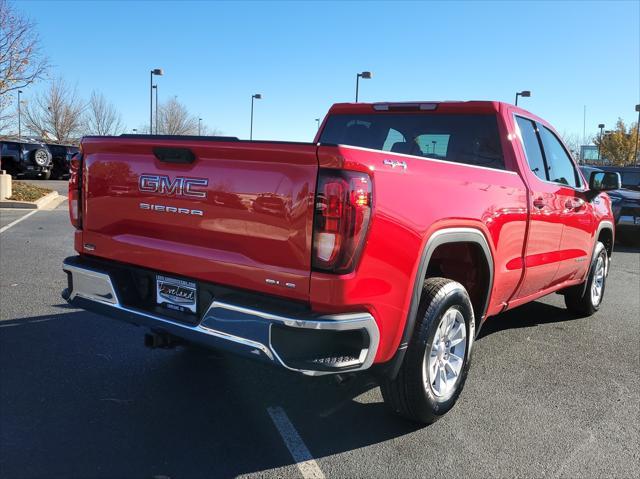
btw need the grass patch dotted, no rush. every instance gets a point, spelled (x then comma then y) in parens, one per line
(21, 191)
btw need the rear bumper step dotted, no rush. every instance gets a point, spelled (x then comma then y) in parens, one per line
(309, 343)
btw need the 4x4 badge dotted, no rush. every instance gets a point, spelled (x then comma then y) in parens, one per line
(395, 163)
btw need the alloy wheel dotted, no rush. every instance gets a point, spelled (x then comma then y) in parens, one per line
(443, 364)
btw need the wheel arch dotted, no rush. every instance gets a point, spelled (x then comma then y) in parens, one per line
(441, 237)
(605, 234)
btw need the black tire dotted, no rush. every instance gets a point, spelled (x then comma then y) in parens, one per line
(579, 299)
(409, 394)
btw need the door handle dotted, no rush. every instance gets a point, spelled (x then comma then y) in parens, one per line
(539, 203)
(574, 204)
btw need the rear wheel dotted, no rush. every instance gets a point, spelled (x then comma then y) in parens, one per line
(437, 360)
(585, 299)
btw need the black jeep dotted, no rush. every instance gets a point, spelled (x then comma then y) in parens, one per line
(24, 158)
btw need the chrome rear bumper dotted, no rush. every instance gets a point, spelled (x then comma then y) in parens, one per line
(233, 327)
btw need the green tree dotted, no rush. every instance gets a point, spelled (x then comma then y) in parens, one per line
(618, 146)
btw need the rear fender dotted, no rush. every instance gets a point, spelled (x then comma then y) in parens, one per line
(438, 238)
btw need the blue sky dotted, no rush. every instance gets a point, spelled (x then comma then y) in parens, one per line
(303, 56)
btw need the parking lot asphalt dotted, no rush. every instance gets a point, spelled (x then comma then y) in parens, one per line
(61, 186)
(9, 215)
(548, 395)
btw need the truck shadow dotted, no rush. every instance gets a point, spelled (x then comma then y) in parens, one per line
(526, 316)
(80, 396)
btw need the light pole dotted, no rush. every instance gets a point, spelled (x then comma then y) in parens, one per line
(257, 96)
(318, 123)
(19, 117)
(199, 126)
(158, 72)
(637, 134)
(523, 94)
(601, 126)
(365, 76)
(155, 87)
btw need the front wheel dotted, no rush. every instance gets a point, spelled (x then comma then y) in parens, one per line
(586, 298)
(435, 366)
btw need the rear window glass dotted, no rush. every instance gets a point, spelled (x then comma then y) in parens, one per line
(393, 137)
(469, 139)
(436, 145)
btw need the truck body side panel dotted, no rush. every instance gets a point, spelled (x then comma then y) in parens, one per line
(410, 204)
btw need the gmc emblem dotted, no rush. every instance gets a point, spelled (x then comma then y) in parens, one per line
(180, 186)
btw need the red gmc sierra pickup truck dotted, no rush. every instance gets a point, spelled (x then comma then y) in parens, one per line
(384, 245)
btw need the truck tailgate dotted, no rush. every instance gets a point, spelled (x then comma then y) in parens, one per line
(239, 214)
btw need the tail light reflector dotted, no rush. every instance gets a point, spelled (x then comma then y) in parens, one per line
(75, 191)
(341, 221)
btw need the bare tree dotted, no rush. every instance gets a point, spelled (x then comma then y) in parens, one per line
(205, 130)
(21, 60)
(573, 141)
(175, 119)
(56, 113)
(7, 115)
(102, 118)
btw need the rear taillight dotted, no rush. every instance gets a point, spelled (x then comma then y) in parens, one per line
(75, 191)
(341, 220)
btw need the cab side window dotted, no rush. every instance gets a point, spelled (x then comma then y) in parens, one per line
(532, 147)
(561, 169)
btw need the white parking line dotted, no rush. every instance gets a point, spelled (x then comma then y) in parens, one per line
(299, 451)
(13, 223)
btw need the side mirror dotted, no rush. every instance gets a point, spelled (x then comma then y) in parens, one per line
(604, 181)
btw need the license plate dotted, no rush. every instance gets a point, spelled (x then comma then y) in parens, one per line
(176, 294)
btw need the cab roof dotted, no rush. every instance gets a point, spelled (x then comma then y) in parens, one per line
(474, 106)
